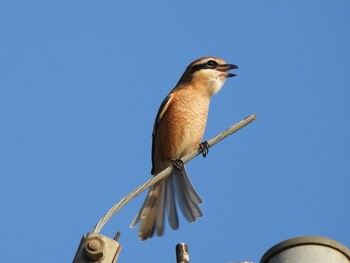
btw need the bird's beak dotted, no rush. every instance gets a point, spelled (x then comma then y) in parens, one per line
(225, 68)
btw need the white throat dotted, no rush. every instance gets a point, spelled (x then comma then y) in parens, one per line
(216, 84)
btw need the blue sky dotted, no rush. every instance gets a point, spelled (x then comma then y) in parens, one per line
(80, 85)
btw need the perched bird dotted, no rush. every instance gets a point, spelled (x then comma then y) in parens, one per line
(178, 130)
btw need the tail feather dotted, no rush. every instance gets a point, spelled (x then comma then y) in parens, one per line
(149, 213)
(188, 205)
(159, 224)
(187, 184)
(136, 219)
(161, 197)
(170, 204)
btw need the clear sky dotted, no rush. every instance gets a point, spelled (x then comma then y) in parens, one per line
(80, 85)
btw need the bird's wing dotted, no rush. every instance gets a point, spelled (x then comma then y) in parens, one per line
(162, 110)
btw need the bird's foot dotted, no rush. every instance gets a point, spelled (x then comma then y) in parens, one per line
(178, 163)
(204, 148)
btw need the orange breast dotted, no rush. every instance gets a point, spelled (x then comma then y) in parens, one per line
(182, 127)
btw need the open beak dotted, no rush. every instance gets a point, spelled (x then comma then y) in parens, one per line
(225, 68)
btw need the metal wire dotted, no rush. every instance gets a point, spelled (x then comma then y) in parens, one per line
(162, 175)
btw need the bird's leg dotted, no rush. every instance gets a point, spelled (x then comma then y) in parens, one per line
(178, 163)
(204, 148)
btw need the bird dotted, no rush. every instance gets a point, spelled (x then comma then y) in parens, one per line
(178, 130)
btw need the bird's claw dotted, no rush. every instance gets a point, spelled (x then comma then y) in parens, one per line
(204, 148)
(178, 163)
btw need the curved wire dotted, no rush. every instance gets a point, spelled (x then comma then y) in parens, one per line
(162, 175)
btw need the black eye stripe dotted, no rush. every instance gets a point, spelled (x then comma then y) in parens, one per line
(207, 65)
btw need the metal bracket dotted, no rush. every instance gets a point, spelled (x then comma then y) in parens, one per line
(95, 247)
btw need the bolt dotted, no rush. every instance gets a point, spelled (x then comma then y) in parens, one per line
(93, 248)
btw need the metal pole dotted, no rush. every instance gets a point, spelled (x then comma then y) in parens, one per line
(182, 255)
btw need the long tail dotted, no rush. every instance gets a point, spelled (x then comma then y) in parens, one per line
(161, 199)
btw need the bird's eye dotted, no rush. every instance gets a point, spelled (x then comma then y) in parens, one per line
(212, 64)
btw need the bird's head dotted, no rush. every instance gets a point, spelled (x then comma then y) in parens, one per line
(209, 73)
